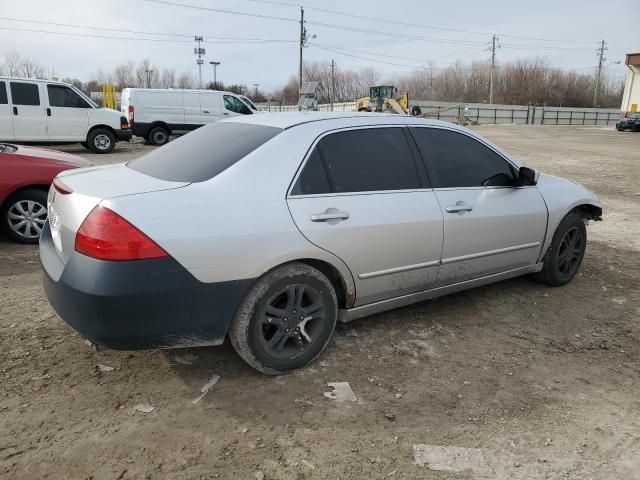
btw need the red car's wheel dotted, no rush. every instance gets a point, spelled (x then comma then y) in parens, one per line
(24, 215)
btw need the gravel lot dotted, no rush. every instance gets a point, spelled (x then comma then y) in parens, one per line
(513, 380)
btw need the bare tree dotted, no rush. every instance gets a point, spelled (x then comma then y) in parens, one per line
(186, 80)
(168, 78)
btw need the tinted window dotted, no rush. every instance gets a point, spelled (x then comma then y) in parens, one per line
(24, 94)
(313, 178)
(204, 153)
(369, 160)
(3, 94)
(457, 160)
(60, 96)
(236, 105)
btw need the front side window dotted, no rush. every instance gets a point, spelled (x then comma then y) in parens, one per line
(60, 96)
(3, 94)
(457, 160)
(364, 160)
(236, 105)
(24, 94)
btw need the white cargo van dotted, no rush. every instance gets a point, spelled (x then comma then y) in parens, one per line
(45, 111)
(154, 114)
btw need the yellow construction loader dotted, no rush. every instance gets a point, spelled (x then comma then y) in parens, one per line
(382, 98)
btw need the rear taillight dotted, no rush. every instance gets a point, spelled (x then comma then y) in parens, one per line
(132, 112)
(61, 187)
(105, 235)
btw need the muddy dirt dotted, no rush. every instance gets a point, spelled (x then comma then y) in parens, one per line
(512, 380)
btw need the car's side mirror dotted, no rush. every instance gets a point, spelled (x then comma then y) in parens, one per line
(528, 176)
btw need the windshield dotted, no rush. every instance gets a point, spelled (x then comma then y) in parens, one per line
(248, 102)
(204, 153)
(634, 115)
(5, 148)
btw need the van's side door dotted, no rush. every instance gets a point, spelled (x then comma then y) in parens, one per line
(192, 114)
(67, 114)
(491, 224)
(6, 118)
(210, 107)
(28, 110)
(362, 196)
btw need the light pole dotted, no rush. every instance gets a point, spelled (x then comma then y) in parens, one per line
(148, 72)
(215, 78)
(255, 95)
(596, 93)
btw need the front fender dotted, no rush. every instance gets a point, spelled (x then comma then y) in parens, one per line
(562, 196)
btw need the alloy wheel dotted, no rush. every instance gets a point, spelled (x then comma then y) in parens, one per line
(291, 321)
(570, 251)
(27, 218)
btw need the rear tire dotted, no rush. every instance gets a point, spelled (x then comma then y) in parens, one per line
(101, 140)
(285, 320)
(158, 136)
(23, 215)
(564, 256)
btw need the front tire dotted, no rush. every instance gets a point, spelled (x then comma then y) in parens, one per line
(565, 254)
(285, 320)
(158, 136)
(101, 140)
(24, 214)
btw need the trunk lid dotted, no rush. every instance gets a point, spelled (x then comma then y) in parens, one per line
(90, 187)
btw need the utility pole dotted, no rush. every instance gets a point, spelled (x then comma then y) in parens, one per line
(601, 61)
(494, 44)
(148, 72)
(199, 51)
(215, 77)
(303, 39)
(333, 82)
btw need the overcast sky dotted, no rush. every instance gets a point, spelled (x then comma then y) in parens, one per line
(557, 28)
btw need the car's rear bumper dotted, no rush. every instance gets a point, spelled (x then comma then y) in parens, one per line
(137, 304)
(124, 135)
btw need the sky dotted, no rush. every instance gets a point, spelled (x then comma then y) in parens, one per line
(411, 34)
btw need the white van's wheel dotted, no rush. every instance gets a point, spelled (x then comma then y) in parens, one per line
(158, 136)
(101, 140)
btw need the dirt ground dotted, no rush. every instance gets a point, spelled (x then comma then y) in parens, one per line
(512, 380)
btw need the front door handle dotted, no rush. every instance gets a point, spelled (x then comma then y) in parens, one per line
(325, 217)
(225, 113)
(459, 207)
(48, 112)
(205, 111)
(15, 110)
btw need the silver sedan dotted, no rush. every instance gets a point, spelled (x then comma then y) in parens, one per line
(270, 228)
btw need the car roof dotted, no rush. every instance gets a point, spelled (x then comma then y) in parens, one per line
(287, 120)
(22, 79)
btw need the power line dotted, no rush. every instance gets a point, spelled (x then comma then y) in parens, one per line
(138, 32)
(223, 10)
(407, 24)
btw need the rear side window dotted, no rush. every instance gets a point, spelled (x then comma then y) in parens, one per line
(204, 153)
(60, 96)
(3, 94)
(369, 160)
(457, 160)
(24, 94)
(313, 178)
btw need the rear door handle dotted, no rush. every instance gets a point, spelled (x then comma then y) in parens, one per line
(324, 217)
(205, 111)
(15, 110)
(48, 112)
(459, 207)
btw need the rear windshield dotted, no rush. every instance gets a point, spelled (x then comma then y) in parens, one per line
(204, 153)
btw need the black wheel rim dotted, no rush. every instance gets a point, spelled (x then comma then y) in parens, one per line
(570, 251)
(159, 137)
(291, 321)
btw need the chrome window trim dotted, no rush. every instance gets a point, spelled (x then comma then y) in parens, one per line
(334, 194)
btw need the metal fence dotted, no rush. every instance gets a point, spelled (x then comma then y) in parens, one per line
(487, 114)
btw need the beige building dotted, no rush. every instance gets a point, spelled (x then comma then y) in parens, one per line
(631, 95)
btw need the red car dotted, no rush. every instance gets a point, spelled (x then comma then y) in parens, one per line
(25, 177)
